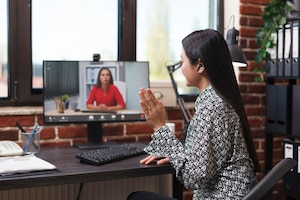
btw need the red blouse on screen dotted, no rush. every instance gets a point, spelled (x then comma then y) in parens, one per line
(112, 97)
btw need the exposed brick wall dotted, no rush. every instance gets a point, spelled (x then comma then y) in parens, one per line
(70, 134)
(253, 92)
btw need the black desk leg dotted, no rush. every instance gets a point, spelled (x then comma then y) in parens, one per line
(177, 188)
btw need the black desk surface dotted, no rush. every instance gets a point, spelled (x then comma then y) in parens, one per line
(70, 170)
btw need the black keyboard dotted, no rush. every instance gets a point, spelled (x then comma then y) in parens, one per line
(111, 154)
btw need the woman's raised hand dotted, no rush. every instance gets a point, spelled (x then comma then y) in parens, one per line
(153, 109)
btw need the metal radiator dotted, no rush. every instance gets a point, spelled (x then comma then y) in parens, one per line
(103, 190)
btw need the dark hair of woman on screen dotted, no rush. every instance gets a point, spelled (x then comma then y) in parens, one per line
(217, 159)
(104, 94)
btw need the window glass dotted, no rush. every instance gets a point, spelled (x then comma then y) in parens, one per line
(162, 24)
(72, 30)
(3, 49)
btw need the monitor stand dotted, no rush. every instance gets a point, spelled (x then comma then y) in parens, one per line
(94, 136)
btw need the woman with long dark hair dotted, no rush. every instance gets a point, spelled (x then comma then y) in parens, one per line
(217, 159)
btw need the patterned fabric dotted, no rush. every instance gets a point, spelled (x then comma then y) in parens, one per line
(214, 162)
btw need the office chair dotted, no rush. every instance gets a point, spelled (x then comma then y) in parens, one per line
(270, 179)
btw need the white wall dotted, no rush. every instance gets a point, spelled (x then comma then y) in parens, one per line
(231, 7)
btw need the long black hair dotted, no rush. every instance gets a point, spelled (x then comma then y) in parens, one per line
(111, 80)
(210, 46)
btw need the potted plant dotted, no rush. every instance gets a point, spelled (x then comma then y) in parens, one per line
(65, 100)
(274, 17)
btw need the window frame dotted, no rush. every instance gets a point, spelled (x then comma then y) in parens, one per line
(20, 67)
(20, 92)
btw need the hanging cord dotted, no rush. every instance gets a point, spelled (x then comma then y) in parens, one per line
(231, 18)
(79, 192)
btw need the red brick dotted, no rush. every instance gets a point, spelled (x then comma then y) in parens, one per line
(257, 88)
(248, 32)
(255, 22)
(10, 120)
(260, 2)
(247, 77)
(47, 133)
(255, 122)
(11, 134)
(252, 65)
(243, 43)
(144, 138)
(260, 155)
(244, 20)
(188, 195)
(251, 21)
(258, 132)
(251, 99)
(277, 154)
(252, 43)
(174, 115)
(72, 131)
(113, 130)
(40, 119)
(256, 143)
(255, 110)
(179, 126)
(140, 128)
(250, 54)
(251, 10)
(277, 142)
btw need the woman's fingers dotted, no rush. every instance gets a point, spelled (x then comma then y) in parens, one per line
(148, 159)
(163, 161)
(146, 96)
(146, 100)
(154, 159)
(153, 109)
(150, 98)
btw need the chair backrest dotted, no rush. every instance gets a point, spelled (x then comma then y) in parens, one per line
(270, 179)
(122, 88)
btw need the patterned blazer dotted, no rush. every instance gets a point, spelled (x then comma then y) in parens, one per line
(214, 160)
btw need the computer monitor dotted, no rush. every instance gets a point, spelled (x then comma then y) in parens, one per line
(73, 81)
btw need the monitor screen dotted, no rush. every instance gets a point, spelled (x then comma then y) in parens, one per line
(67, 85)
(59, 79)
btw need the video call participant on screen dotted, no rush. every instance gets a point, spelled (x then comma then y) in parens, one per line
(106, 95)
(218, 159)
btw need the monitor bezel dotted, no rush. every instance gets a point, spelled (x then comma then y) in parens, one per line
(94, 121)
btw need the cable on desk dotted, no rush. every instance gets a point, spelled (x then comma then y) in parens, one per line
(79, 192)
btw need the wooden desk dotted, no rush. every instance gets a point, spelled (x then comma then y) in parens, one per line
(70, 170)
